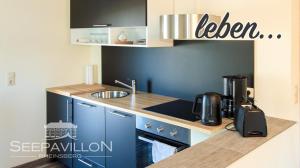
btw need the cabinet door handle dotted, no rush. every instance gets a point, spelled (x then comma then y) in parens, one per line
(86, 105)
(119, 114)
(101, 25)
(67, 110)
(85, 163)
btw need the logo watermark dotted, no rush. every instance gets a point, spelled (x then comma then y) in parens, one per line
(61, 142)
(60, 130)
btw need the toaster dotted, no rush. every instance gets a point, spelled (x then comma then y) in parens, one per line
(251, 121)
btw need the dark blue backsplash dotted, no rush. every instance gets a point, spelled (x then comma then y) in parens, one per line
(188, 69)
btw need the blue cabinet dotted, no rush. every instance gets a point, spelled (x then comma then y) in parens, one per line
(101, 137)
(100, 13)
(59, 113)
(90, 139)
(121, 132)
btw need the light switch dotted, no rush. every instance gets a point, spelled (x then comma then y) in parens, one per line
(11, 79)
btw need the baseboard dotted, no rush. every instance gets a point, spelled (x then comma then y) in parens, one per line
(35, 163)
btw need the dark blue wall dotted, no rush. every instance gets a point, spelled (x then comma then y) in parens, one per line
(188, 69)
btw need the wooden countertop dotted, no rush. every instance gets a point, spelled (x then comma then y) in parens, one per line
(226, 146)
(134, 104)
(75, 89)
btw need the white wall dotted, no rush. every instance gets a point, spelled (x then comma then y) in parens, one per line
(275, 153)
(34, 43)
(276, 69)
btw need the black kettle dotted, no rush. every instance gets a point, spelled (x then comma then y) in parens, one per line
(211, 111)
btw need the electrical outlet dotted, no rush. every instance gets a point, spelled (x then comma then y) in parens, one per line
(251, 90)
(11, 79)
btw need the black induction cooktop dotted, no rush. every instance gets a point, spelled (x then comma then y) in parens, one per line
(179, 108)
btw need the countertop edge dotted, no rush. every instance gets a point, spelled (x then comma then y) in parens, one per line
(292, 124)
(215, 144)
(177, 123)
(73, 92)
(219, 140)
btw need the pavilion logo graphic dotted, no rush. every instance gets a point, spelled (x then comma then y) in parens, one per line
(60, 130)
(58, 144)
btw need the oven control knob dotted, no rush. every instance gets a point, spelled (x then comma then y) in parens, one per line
(160, 129)
(173, 133)
(148, 125)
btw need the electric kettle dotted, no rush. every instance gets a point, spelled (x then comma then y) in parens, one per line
(211, 108)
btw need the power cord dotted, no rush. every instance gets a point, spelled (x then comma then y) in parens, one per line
(230, 127)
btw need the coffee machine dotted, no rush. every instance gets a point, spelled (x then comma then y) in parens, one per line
(235, 87)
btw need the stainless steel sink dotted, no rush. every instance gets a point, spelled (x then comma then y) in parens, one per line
(110, 94)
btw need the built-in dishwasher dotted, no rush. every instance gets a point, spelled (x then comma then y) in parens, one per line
(148, 131)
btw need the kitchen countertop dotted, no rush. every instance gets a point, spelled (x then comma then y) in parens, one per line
(134, 104)
(227, 146)
(74, 89)
(223, 149)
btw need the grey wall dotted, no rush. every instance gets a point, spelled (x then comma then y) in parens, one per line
(188, 69)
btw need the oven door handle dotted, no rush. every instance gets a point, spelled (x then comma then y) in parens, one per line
(145, 139)
(151, 142)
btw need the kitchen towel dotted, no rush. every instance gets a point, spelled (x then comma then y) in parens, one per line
(89, 75)
(161, 151)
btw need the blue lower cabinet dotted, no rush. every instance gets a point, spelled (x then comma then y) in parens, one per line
(86, 163)
(104, 138)
(59, 113)
(90, 136)
(121, 134)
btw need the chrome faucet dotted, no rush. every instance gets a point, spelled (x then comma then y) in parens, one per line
(132, 87)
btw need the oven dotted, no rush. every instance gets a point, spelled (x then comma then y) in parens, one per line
(148, 131)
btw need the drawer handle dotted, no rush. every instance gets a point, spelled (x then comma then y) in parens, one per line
(119, 114)
(86, 105)
(85, 163)
(101, 25)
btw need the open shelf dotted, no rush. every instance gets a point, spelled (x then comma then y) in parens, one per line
(117, 36)
(132, 36)
(90, 36)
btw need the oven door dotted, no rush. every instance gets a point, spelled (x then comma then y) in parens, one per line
(144, 147)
